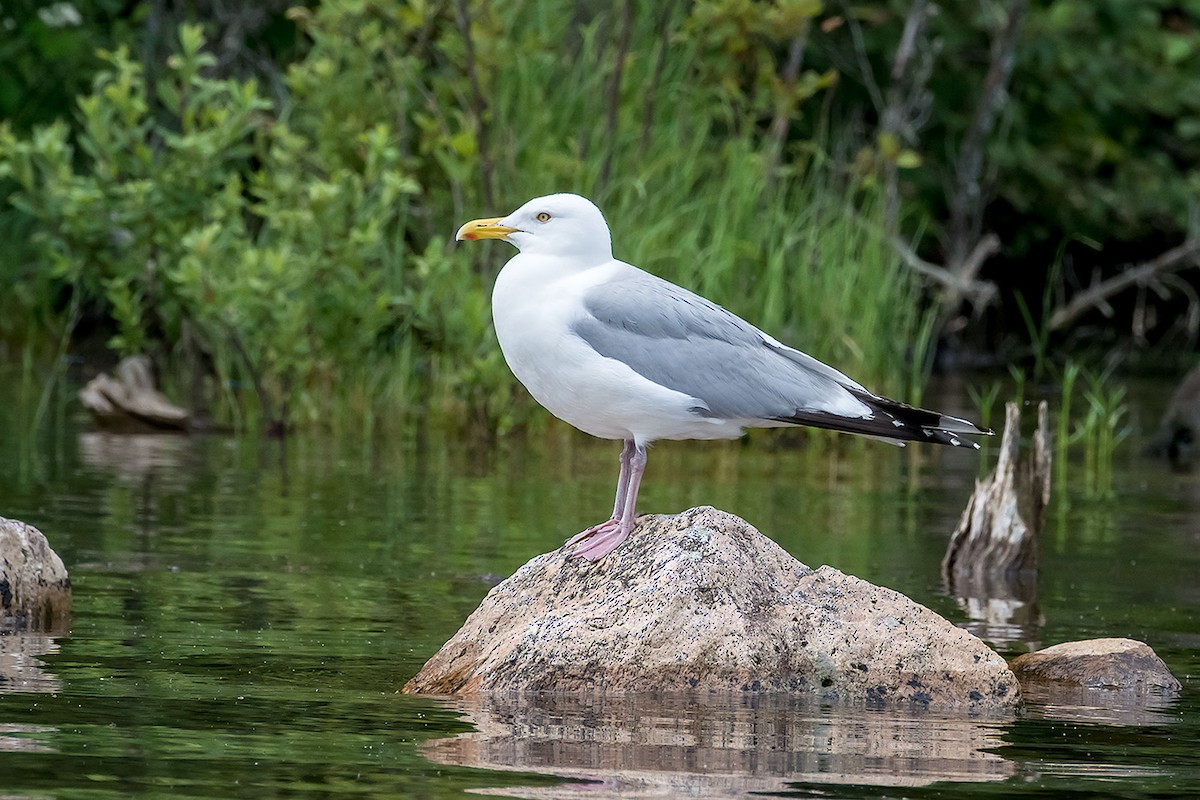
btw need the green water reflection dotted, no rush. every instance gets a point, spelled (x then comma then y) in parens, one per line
(245, 613)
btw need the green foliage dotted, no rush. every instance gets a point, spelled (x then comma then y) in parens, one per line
(1097, 138)
(300, 250)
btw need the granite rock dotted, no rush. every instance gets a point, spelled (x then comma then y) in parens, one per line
(703, 602)
(35, 592)
(1110, 663)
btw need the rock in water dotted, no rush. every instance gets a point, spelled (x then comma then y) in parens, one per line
(701, 601)
(1110, 663)
(35, 592)
(1178, 437)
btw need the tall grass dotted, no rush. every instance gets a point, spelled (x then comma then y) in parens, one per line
(795, 248)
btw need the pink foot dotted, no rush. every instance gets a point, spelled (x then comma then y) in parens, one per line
(590, 532)
(601, 540)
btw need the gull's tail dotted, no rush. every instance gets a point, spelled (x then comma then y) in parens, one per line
(895, 423)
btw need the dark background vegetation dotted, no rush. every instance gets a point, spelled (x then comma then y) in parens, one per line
(260, 195)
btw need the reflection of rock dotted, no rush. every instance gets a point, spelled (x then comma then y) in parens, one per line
(1097, 704)
(130, 403)
(714, 746)
(16, 738)
(702, 601)
(1113, 663)
(35, 592)
(21, 667)
(132, 458)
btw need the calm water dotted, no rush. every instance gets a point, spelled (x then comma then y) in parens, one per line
(245, 614)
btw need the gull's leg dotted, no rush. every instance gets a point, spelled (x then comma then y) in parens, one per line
(609, 539)
(619, 505)
(627, 452)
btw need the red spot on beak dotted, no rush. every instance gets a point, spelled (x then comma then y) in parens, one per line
(471, 236)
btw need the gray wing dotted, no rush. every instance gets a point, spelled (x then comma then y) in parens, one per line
(682, 341)
(735, 371)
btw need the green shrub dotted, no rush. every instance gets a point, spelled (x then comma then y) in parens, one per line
(301, 252)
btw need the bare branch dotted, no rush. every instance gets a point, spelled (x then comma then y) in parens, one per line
(660, 62)
(980, 293)
(783, 113)
(1097, 296)
(904, 97)
(478, 104)
(966, 196)
(614, 91)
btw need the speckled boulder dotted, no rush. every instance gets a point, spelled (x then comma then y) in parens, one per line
(35, 592)
(701, 601)
(1111, 663)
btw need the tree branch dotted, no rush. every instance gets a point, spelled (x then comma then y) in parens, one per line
(1097, 296)
(980, 293)
(614, 91)
(966, 197)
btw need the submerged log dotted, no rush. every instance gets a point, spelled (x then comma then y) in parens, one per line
(998, 531)
(703, 602)
(130, 403)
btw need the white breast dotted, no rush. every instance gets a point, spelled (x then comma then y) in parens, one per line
(534, 305)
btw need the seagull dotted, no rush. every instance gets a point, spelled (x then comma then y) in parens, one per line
(622, 354)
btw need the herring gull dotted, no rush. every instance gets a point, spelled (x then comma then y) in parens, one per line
(622, 354)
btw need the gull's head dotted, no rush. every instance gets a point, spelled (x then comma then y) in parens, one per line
(558, 224)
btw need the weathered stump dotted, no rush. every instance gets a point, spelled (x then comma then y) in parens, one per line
(998, 531)
(702, 602)
(130, 403)
(991, 561)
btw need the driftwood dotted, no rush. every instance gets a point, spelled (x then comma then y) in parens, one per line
(130, 403)
(992, 560)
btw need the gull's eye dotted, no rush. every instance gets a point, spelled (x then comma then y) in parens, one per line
(543, 216)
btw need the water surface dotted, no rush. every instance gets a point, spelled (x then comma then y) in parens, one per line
(246, 611)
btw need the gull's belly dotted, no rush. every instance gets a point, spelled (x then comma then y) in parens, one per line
(599, 395)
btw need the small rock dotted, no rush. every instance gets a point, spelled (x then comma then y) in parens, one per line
(35, 592)
(1110, 663)
(701, 601)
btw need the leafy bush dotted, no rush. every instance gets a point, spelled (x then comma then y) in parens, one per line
(299, 253)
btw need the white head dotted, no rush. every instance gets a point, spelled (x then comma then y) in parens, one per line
(564, 225)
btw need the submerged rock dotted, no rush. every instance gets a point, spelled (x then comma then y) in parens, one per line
(1109, 663)
(35, 592)
(701, 601)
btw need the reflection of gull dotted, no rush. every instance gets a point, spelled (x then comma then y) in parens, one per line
(716, 747)
(134, 456)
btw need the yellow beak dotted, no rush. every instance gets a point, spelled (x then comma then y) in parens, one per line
(484, 229)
